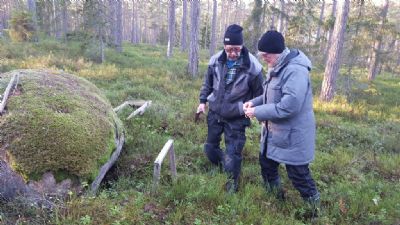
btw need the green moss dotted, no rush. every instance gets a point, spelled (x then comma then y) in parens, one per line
(59, 122)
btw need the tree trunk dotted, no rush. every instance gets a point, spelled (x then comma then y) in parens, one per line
(225, 10)
(376, 51)
(264, 9)
(398, 54)
(56, 28)
(32, 10)
(1, 28)
(65, 18)
(135, 30)
(255, 20)
(328, 44)
(112, 21)
(220, 21)
(272, 25)
(213, 29)
(387, 63)
(118, 37)
(354, 51)
(333, 63)
(2, 18)
(207, 20)
(184, 26)
(137, 23)
(133, 24)
(321, 17)
(171, 28)
(194, 38)
(281, 15)
(145, 31)
(102, 56)
(159, 25)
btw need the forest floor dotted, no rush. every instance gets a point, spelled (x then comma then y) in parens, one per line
(356, 167)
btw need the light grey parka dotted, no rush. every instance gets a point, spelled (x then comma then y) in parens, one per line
(288, 130)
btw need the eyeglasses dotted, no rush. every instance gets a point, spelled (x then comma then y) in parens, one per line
(231, 50)
(262, 54)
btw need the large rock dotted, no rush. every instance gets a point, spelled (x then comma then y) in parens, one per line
(58, 128)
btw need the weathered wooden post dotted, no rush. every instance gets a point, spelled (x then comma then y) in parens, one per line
(7, 92)
(140, 110)
(168, 148)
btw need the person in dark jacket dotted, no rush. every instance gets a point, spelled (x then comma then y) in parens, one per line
(286, 112)
(234, 76)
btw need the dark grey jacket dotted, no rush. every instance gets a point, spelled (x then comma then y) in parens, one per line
(227, 100)
(287, 111)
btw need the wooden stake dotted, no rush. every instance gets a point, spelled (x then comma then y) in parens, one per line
(168, 148)
(140, 110)
(7, 93)
(131, 103)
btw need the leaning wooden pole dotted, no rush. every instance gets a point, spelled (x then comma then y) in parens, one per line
(7, 92)
(106, 167)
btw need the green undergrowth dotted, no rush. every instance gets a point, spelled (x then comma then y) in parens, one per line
(355, 168)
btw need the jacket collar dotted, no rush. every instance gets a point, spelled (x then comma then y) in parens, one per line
(245, 58)
(293, 53)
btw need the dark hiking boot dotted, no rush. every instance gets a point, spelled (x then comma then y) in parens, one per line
(275, 188)
(231, 186)
(314, 205)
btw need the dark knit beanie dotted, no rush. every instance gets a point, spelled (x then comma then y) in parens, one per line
(233, 35)
(271, 42)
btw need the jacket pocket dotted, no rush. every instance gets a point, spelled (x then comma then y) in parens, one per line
(281, 137)
(277, 93)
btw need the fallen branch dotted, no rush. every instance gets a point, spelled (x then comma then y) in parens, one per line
(140, 110)
(7, 93)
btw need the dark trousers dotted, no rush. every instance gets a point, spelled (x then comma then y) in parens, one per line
(299, 175)
(235, 138)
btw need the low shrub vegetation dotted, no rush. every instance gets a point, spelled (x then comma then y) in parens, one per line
(357, 155)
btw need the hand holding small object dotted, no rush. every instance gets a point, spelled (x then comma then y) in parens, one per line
(250, 112)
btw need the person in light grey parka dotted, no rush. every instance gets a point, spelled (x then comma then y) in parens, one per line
(286, 112)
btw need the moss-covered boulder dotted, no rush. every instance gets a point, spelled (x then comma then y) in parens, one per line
(56, 122)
